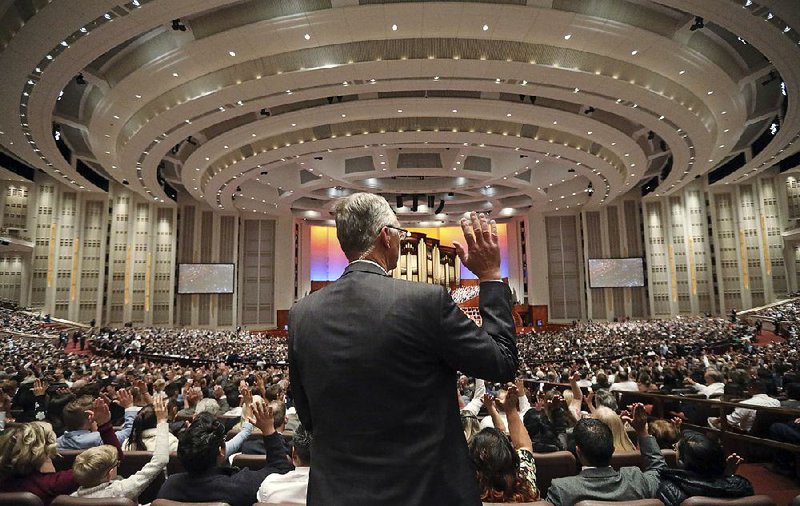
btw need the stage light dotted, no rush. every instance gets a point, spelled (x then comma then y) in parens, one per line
(177, 25)
(698, 24)
(651, 135)
(79, 79)
(590, 189)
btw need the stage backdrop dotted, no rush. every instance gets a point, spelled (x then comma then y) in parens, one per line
(328, 262)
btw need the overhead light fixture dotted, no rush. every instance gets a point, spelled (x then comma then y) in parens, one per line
(440, 208)
(590, 188)
(485, 27)
(650, 135)
(178, 26)
(394, 28)
(79, 79)
(589, 110)
(307, 37)
(698, 24)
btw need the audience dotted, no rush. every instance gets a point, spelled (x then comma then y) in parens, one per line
(96, 469)
(201, 451)
(292, 486)
(594, 445)
(204, 373)
(27, 452)
(506, 469)
(704, 471)
(82, 432)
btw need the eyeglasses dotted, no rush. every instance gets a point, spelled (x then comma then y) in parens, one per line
(403, 232)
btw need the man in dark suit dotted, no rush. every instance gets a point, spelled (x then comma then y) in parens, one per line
(373, 364)
(594, 445)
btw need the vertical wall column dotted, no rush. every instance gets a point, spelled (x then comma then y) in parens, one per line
(257, 273)
(563, 265)
(538, 266)
(284, 264)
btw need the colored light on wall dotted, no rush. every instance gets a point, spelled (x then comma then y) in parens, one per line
(328, 261)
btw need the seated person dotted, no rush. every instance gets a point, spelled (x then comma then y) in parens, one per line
(704, 471)
(292, 486)
(144, 433)
(499, 403)
(27, 450)
(201, 451)
(622, 443)
(714, 383)
(82, 433)
(256, 446)
(598, 480)
(666, 433)
(743, 418)
(506, 469)
(96, 469)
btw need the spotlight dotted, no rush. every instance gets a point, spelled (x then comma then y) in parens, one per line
(431, 201)
(178, 26)
(589, 110)
(698, 24)
(650, 135)
(590, 189)
(399, 202)
(440, 208)
(80, 80)
(238, 189)
(451, 194)
(265, 112)
(415, 204)
(264, 172)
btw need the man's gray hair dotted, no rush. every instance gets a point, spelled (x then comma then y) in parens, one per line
(359, 218)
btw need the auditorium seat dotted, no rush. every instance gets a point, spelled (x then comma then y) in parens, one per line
(167, 502)
(254, 462)
(639, 502)
(65, 500)
(19, 499)
(635, 459)
(753, 500)
(65, 459)
(550, 466)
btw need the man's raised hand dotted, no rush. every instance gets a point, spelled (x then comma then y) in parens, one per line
(482, 252)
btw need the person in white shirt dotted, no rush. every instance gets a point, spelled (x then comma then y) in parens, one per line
(622, 383)
(714, 383)
(290, 488)
(743, 418)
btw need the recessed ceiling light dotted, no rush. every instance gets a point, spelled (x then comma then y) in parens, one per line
(589, 132)
(116, 117)
(555, 122)
(634, 52)
(399, 110)
(307, 37)
(508, 115)
(485, 27)
(294, 124)
(435, 78)
(710, 93)
(567, 36)
(138, 96)
(344, 115)
(455, 110)
(174, 74)
(394, 28)
(232, 53)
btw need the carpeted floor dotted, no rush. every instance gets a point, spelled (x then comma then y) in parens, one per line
(76, 348)
(766, 337)
(780, 488)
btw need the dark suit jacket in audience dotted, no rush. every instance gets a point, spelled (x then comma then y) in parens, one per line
(228, 484)
(606, 484)
(373, 364)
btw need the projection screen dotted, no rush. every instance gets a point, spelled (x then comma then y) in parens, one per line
(616, 272)
(205, 278)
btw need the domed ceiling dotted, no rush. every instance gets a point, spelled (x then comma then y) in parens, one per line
(280, 107)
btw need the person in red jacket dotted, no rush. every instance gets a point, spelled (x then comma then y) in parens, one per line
(27, 451)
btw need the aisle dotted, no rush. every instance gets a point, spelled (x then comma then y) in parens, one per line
(767, 337)
(780, 488)
(76, 348)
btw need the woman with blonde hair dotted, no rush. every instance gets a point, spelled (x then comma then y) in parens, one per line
(622, 443)
(27, 451)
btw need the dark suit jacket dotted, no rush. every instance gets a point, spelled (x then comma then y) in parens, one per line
(607, 484)
(373, 364)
